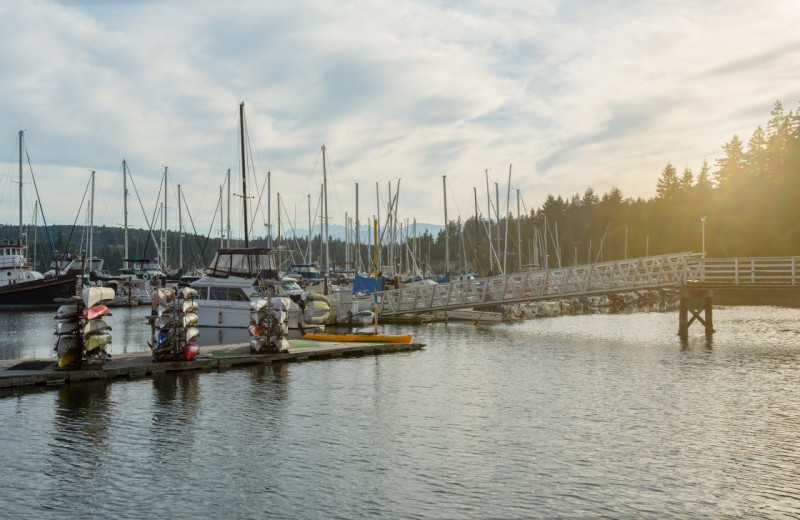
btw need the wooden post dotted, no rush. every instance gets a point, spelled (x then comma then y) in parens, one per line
(683, 314)
(709, 320)
(696, 302)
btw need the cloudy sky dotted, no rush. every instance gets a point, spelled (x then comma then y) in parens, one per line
(572, 94)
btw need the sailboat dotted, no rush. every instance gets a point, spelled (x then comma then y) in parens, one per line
(20, 286)
(236, 276)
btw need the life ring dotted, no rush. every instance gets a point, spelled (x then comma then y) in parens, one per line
(146, 276)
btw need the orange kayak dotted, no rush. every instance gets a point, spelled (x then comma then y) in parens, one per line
(358, 337)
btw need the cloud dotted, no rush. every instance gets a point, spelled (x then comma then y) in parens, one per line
(572, 93)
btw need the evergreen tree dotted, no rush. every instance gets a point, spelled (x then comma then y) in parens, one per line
(668, 185)
(756, 155)
(703, 183)
(687, 180)
(732, 166)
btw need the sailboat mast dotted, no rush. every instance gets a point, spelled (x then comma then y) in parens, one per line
(308, 237)
(519, 236)
(390, 221)
(35, 223)
(325, 206)
(489, 214)
(125, 209)
(505, 237)
(477, 231)
(269, 208)
(20, 186)
(357, 256)
(180, 231)
(244, 178)
(446, 230)
(278, 240)
(221, 227)
(377, 219)
(164, 250)
(497, 218)
(91, 227)
(228, 229)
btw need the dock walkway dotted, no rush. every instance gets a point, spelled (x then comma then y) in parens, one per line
(44, 372)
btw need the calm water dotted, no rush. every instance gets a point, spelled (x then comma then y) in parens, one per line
(587, 416)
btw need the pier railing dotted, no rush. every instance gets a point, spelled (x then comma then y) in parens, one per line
(764, 272)
(651, 272)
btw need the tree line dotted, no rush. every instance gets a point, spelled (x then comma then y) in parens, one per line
(742, 205)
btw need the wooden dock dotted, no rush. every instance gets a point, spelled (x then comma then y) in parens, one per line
(44, 372)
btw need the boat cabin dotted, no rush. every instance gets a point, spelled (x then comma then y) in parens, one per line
(12, 256)
(251, 262)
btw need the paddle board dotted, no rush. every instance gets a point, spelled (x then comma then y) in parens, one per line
(96, 340)
(188, 292)
(95, 327)
(67, 327)
(259, 305)
(189, 320)
(162, 337)
(67, 311)
(163, 321)
(68, 358)
(316, 312)
(94, 295)
(92, 313)
(257, 330)
(192, 333)
(66, 344)
(260, 316)
(365, 337)
(190, 350)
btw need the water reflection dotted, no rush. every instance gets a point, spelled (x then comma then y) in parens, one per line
(585, 416)
(80, 438)
(173, 420)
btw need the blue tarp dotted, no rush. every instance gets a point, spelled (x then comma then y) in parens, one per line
(365, 284)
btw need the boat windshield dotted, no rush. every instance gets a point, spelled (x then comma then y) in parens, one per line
(246, 263)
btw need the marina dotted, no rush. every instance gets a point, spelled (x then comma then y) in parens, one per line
(588, 415)
(45, 372)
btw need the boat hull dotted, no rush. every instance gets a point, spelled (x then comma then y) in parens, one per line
(233, 315)
(359, 337)
(37, 294)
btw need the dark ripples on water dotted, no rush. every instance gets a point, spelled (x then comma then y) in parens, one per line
(586, 416)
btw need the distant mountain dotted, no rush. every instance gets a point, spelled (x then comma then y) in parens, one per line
(337, 231)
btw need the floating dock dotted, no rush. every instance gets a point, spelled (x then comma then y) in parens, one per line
(45, 372)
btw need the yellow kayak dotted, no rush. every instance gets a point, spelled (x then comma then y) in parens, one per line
(358, 337)
(68, 358)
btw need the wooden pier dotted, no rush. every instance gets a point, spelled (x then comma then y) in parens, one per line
(44, 372)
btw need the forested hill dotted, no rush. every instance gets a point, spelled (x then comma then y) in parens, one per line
(745, 202)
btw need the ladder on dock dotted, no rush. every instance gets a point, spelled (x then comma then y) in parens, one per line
(648, 273)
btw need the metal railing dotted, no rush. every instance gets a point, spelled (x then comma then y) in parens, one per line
(646, 273)
(744, 272)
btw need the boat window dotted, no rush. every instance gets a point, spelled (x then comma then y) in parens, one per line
(239, 264)
(226, 294)
(237, 295)
(223, 264)
(218, 293)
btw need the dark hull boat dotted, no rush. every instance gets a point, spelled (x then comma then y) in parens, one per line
(37, 294)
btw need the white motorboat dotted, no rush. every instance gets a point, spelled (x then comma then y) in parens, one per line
(237, 276)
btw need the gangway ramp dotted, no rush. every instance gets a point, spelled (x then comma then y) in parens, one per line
(647, 273)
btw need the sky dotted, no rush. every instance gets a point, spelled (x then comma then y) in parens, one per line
(563, 95)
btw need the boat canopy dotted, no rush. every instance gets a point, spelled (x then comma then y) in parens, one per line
(245, 262)
(364, 284)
